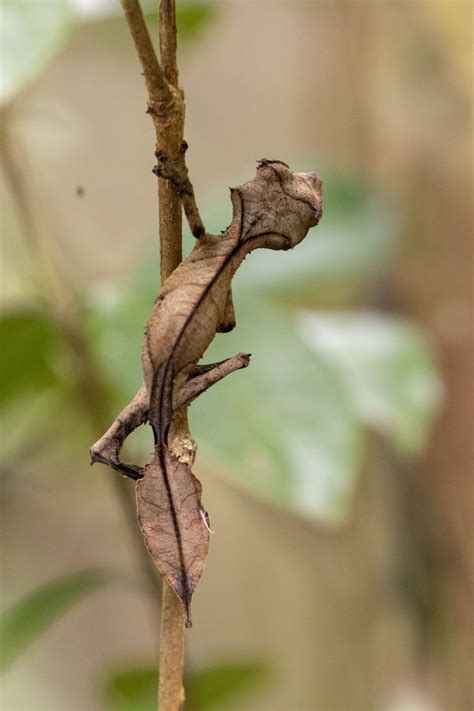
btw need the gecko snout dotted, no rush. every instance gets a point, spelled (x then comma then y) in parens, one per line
(315, 182)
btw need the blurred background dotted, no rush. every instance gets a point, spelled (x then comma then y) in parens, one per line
(337, 468)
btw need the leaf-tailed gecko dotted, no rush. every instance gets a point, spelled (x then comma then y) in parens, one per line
(274, 210)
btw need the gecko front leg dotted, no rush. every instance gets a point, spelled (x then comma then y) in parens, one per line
(175, 170)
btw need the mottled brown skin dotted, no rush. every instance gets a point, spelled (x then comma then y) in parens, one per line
(273, 211)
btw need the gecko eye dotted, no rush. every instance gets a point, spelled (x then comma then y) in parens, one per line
(316, 182)
(311, 179)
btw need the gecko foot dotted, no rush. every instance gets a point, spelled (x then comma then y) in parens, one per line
(129, 470)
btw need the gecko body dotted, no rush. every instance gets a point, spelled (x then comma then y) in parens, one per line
(273, 211)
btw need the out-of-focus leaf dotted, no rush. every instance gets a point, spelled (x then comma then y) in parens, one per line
(135, 689)
(216, 686)
(32, 34)
(285, 428)
(389, 369)
(27, 422)
(117, 320)
(132, 689)
(345, 195)
(336, 259)
(30, 343)
(22, 623)
(192, 16)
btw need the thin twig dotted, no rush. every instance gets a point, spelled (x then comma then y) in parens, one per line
(166, 107)
(168, 41)
(156, 84)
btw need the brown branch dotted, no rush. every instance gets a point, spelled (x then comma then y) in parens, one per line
(171, 691)
(168, 41)
(170, 226)
(166, 106)
(159, 94)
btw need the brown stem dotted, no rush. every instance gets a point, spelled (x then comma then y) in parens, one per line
(168, 41)
(166, 106)
(159, 93)
(170, 223)
(169, 139)
(171, 691)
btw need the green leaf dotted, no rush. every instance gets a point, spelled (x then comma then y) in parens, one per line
(29, 426)
(389, 370)
(116, 321)
(22, 623)
(192, 18)
(285, 429)
(132, 689)
(216, 686)
(32, 34)
(30, 344)
(135, 688)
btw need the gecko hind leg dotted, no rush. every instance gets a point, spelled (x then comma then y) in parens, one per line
(132, 471)
(177, 173)
(107, 449)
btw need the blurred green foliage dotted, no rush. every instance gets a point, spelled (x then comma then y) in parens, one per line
(389, 371)
(135, 688)
(30, 343)
(22, 623)
(32, 34)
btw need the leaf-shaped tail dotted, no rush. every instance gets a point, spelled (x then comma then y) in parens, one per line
(174, 523)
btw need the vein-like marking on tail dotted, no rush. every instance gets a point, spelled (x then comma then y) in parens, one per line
(162, 400)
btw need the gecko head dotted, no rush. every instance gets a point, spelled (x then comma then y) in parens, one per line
(303, 187)
(277, 208)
